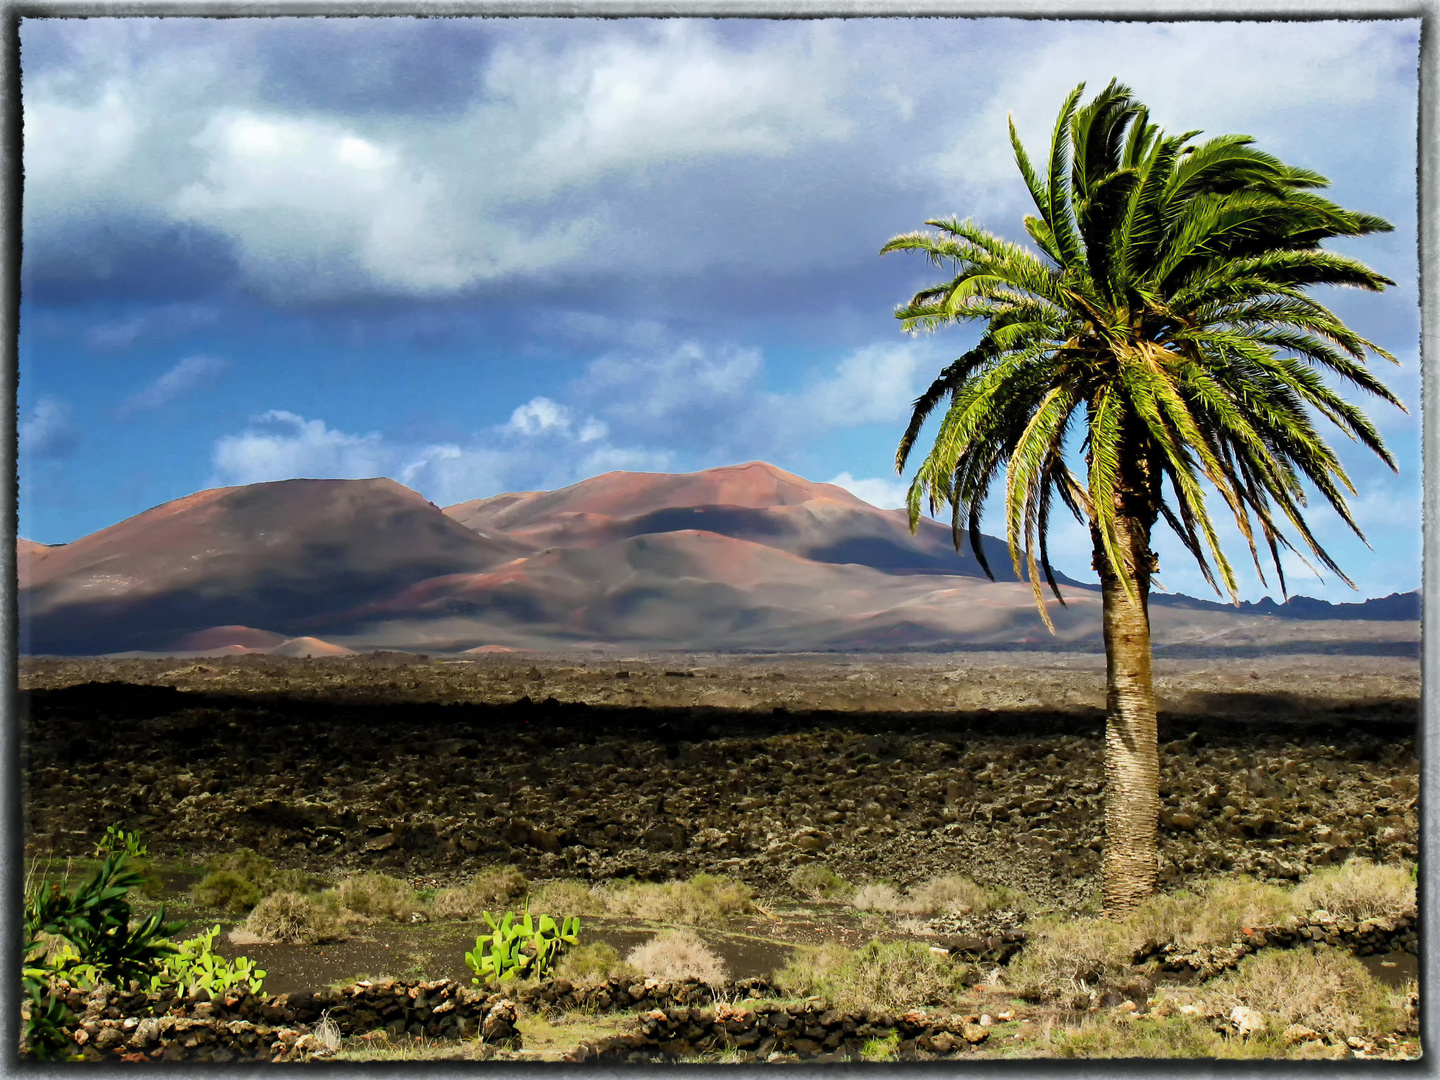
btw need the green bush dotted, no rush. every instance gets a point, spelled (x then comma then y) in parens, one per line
(117, 839)
(818, 882)
(99, 942)
(378, 896)
(227, 890)
(886, 974)
(238, 881)
(1214, 913)
(594, 963)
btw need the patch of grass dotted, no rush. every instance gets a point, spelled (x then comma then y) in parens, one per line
(893, 975)
(1360, 889)
(593, 963)
(678, 954)
(381, 1046)
(955, 894)
(1109, 1035)
(296, 918)
(548, 1037)
(886, 1048)
(1325, 989)
(378, 896)
(704, 900)
(818, 882)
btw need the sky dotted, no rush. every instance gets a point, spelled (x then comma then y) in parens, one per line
(486, 255)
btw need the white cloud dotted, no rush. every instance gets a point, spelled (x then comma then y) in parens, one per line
(191, 373)
(628, 140)
(670, 92)
(539, 415)
(886, 494)
(875, 383)
(683, 406)
(280, 445)
(1191, 75)
(49, 431)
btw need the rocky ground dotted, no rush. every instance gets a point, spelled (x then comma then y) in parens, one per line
(883, 767)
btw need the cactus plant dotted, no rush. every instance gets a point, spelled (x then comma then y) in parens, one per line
(520, 944)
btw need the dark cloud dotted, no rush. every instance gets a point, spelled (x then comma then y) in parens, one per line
(419, 65)
(126, 259)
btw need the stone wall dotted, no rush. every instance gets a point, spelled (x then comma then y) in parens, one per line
(245, 1027)
(765, 1031)
(1362, 937)
(137, 1026)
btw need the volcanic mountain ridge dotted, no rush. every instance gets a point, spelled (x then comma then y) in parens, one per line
(746, 557)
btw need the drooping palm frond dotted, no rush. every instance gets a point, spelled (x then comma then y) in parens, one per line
(1163, 322)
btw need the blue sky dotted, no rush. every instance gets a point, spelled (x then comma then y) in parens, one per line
(489, 255)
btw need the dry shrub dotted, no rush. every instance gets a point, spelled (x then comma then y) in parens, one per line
(877, 896)
(1360, 889)
(459, 904)
(704, 900)
(893, 975)
(293, 918)
(496, 885)
(562, 899)
(818, 882)
(1325, 989)
(678, 954)
(593, 963)
(1065, 956)
(953, 893)
(491, 888)
(378, 896)
(1215, 913)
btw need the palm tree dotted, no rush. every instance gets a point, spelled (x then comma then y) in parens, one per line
(1163, 336)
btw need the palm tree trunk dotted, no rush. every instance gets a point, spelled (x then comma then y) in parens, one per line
(1130, 869)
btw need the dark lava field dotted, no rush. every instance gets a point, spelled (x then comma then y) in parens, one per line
(883, 767)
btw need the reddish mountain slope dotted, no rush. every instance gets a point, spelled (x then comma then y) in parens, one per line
(747, 557)
(698, 589)
(275, 555)
(755, 502)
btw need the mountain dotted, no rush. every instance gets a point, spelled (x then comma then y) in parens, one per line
(278, 556)
(1395, 607)
(742, 557)
(754, 501)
